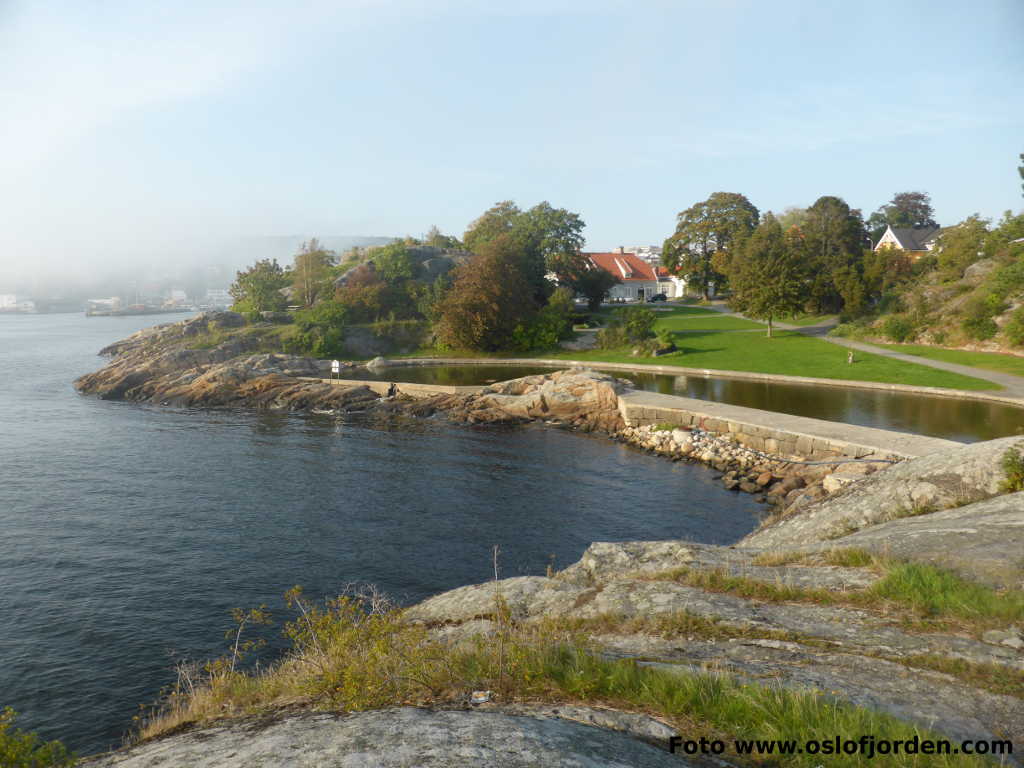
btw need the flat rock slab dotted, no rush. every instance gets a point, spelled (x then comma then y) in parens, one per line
(401, 738)
(606, 560)
(929, 699)
(983, 541)
(938, 481)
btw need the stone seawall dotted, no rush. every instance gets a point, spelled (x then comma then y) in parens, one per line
(779, 434)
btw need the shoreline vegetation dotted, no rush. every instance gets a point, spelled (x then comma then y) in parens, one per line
(703, 339)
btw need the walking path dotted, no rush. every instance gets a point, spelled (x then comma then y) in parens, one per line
(1014, 385)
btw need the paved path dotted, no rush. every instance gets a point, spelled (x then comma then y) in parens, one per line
(1013, 385)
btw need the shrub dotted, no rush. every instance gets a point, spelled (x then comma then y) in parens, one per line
(898, 328)
(1014, 329)
(19, 749)
(1007, 280)
(1013, 466)
(629, 325)
(320, 330)
(977, 322)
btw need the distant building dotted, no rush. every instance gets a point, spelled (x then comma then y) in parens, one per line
(649, 253)
(177, 296)
(639, 279)
(673, 287)
(112, 303)
(219, 298)
(916, 241)
(11, 302)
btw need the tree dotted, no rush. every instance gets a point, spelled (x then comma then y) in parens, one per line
(834, 239)
(311, 272)
(437, 239)
(1020, 170)
(704, 229)
(489, 298)
(594, 284)
(394, 263)
(258, 289)
(770, 277)
(547, 239)
(960, 246)
(906, 209)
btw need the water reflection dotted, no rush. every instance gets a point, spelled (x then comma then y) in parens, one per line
(952, 419)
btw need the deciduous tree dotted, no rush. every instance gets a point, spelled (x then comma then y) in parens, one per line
(704, 229)
(311, 272)
(834, 239)
(258, 289)
(489, 298)
(906, 209)
(548, 239)
(770, 275)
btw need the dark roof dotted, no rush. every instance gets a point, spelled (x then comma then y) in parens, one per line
(914, 238)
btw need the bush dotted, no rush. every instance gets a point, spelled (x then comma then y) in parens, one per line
(978, 323)
(898, 328)
(19, 749)
(629, 325)
(1007, 280)
(320, 331)
(1013, 466)
(1014, 329)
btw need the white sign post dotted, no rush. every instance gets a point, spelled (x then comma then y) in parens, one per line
(335, 369)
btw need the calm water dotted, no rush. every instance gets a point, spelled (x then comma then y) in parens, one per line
(127, 533)
(964, 420)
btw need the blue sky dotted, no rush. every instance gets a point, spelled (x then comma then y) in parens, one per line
(138, 130)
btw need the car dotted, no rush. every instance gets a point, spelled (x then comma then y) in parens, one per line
(657, 297)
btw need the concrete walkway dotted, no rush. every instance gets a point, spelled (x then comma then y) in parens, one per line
(1013, 385)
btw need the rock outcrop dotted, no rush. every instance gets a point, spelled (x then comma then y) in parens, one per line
(927, 484)
(397, 738)
(162, 365)
(982, 542)
(858, 655)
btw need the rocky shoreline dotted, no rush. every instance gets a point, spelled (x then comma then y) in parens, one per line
(161, 365)
(791, 606)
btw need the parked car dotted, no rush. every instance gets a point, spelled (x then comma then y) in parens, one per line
(657, 297)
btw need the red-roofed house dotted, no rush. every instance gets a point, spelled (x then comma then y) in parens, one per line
(673, 287)
(639, 279)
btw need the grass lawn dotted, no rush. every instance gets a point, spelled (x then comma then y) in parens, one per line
(788, 353)
(992, 361)
(688, 318)
(804, 320)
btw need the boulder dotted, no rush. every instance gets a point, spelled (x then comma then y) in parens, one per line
(577, 396)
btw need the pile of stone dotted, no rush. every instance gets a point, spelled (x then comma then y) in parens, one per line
(782, 481)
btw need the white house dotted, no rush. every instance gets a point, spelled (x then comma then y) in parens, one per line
(639, 280)
(916, 241)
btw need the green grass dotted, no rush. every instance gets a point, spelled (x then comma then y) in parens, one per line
(712, 321)
(804, 320)
(343, 659)
(924, 594)
(990, 361)
(934, 592)
(788, 353)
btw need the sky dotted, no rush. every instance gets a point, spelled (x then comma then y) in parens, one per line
(148, 132)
